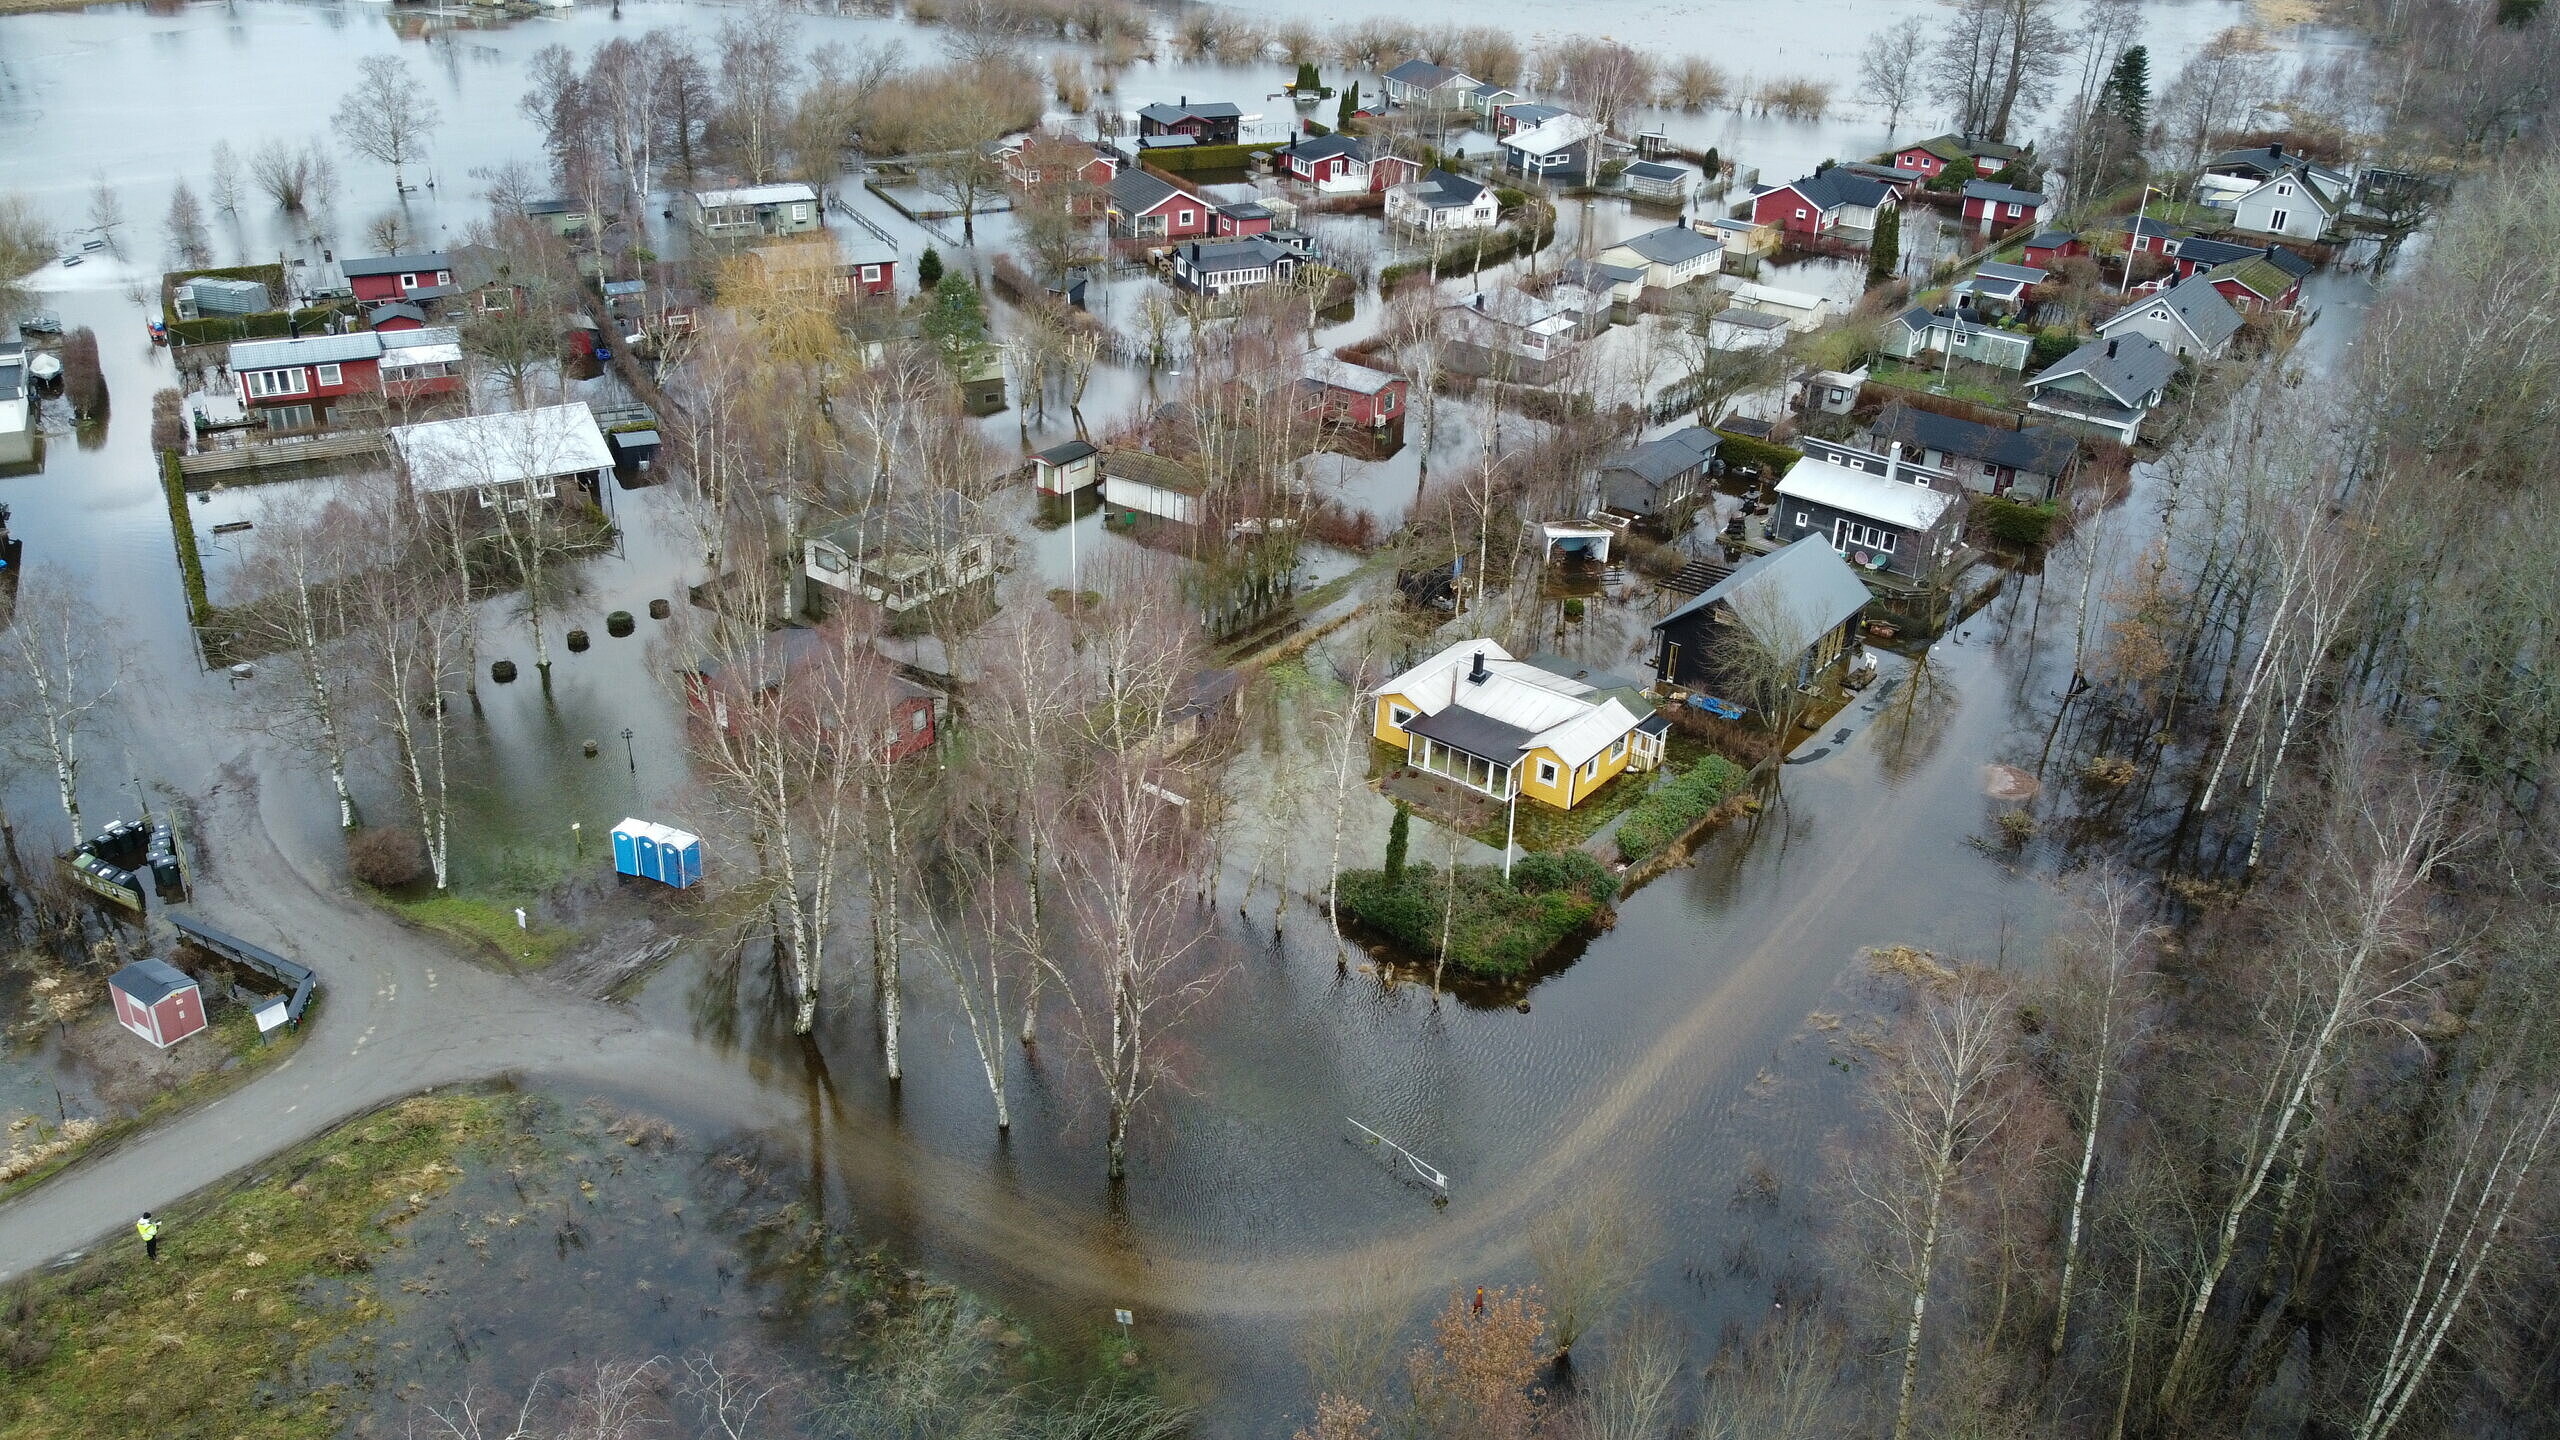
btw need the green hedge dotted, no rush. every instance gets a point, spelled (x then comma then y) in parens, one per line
(182, 527)
(1773, 460)
(1666, 813)
(267, 325)
(1208, 157)
(1508, 243)
(2013, 522)
(1499, 927)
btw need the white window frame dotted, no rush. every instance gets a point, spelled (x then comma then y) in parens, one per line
(870, 274)
(1185, 218)
(444, 277)
(269, 384)
(2276, 219)
(1398, 717)
(331, 374)
(1547, 773)
(408, 282)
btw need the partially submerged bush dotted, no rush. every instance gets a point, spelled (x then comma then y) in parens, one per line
(385, 857)
(1496, 927)
(1668, 812)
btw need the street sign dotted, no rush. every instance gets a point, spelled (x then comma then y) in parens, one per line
(1123, 1319)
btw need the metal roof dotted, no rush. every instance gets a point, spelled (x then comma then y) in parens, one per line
(1164, 114)
(1669, 457)
(1154, 471)
(1999, 194)
(781, 193)
(1065, 454)
(1830, 189)
(1479, 735)
(501, 449)
(306, 350)
(1560, 132)
(1671, 245)
(1896, 502)
(1341, 374)
(396, 264)
(1805, 586)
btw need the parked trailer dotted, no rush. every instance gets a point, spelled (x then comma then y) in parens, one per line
(240, 952)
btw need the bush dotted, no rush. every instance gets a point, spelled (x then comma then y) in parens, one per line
(1773, 460)
(82, 380)
(1399, 841)
(2050, 347)
(386, 857)
(1672, 807)
(928, 268)
(2013, 522)
(1496, 927)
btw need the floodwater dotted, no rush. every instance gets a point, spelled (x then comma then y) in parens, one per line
(1688, 1047)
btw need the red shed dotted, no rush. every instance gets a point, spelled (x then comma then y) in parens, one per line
(399, 277)
(1342, 393)
(156, 1000)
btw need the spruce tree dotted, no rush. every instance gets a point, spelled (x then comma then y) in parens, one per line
(928, 268)
(1350, 107)
(1885, 251)
(2127, 94)
(1399, 839)
(1309, 81)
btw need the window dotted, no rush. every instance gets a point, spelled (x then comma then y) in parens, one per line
(1546, 772)
(1618, 747)
(1185, 218)
(331, 375)
(408, 282)
(800, 211)
(444, 277)
(1799, 212)
(1803, 519)
(289, 417)
(1398, 717)
(916, 719)
(2284, 189)
(2276, 220)
(2014, 211)
(870, 274)
(2159, 314)
(265, 383)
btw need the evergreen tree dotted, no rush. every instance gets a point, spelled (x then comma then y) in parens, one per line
(1350, 107)
(1399, 838)
(928, 268)
(1713, 164)
(2127, 93)
(1885, 251)
(1309, 81)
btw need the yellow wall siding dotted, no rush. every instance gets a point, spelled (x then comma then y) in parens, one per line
(1572, 787)
(1384, 726)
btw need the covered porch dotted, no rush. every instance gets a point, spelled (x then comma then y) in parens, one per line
(1463, 746)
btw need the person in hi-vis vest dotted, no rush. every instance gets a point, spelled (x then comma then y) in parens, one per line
(149, 1230)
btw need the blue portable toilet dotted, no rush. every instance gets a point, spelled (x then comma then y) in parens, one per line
(646, 843)
(626, 846)
(679, 857)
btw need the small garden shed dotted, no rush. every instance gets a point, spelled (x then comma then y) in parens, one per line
(155, 1000)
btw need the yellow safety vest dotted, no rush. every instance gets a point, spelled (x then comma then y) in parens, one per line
(147, 1229)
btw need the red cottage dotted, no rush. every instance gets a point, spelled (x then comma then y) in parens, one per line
(1341, 393)
(399, 277)
(1240, 219)
(294, 384)
(2051, 245)
(1147, 208)
(914, 712)
(155, 1000)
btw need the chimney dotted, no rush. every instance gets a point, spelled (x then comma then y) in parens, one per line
(2275, 152)
(2111, 349)
(1892, 459)
(1478, 675)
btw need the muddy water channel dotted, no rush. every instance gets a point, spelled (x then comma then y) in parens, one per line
(1687, 1057)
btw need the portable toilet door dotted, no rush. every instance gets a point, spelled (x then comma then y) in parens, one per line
(647, 845)
(680, 853)
(626, 847)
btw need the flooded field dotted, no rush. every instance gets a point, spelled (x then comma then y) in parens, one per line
(1685, 1058)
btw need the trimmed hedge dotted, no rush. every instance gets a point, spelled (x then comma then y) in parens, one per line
(1773, 460)
(1499, 928)
(1669, 810)
(1507, 243)
(266, 325)
(1208, 157)
(2014, 522)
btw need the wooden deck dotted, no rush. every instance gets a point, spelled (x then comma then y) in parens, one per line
(265, 454)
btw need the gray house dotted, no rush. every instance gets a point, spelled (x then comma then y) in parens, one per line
(755, 211)
(2109, 386)
(2032, 463)
(1803, 598)
(1918, 331)
(2189, 318)
(1882, 512)
(1659, 481)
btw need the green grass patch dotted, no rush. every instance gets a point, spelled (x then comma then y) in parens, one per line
(1497, 928)
(480, 922)
(1671, 808)
(1545, 828)
(1937, 381)
(215, 1338)
(2013, 522)
(1744, 450)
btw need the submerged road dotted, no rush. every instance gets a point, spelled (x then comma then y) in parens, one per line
(403, 1012)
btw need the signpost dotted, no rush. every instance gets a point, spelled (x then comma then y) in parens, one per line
(1427, 1174)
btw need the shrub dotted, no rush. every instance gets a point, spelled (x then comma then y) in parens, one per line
(1672, 807)
(2013, 522)
(2050, 347)
(1208, 157)
(1496, 927)
(386, 857)
(1399, 840)
(1773, 460)
(929, 268)
(82, 380)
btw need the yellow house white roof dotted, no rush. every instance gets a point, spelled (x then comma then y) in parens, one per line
(1558, 712)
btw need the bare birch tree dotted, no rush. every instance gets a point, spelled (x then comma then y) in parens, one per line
(59, 681)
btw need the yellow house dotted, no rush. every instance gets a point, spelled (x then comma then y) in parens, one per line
(1502, 726)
